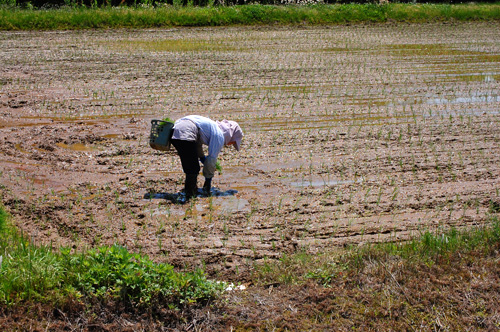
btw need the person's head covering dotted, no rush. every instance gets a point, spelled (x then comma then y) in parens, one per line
(232, 132)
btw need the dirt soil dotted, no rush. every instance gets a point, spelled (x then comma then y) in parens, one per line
(353, 134)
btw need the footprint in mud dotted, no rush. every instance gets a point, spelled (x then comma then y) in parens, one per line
(180, 198)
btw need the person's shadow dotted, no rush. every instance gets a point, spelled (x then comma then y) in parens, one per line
(180, 198)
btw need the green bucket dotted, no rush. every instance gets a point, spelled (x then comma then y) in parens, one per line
(161, 132)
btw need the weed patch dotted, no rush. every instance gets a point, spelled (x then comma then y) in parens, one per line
(431, 248)
(36, 273)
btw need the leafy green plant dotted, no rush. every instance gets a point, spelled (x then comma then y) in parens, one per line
(113, 271)
(28, 272)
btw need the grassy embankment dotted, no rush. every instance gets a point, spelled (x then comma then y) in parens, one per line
(438, 282)
(423, 280)
(126, 17)
(37, 273)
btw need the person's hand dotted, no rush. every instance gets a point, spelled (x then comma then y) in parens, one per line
(202, 159)
(207, 186)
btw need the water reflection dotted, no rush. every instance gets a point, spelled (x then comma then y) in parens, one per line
(322, 182)
(464, 100)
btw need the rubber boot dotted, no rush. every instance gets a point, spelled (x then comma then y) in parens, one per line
(190, 186)
(207, 187)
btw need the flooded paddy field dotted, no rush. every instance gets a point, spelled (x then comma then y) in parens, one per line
(353, 134)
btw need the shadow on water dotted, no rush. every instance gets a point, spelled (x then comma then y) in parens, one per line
(180, 197)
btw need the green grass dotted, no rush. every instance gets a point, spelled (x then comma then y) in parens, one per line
(429, 249)
(126, 17)
(37, 273)
(436, 247)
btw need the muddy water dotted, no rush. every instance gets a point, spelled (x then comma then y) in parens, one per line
(352, 134)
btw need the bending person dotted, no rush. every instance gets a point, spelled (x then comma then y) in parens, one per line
(190, 133)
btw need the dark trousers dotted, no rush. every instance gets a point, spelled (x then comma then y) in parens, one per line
(189, 156)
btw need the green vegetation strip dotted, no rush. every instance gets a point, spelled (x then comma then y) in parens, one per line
(37, 273)
(127, 17)
(428, 249)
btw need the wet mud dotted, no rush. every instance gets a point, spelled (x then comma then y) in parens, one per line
(352, 135)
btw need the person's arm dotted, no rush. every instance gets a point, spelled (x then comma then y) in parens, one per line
(214, 147)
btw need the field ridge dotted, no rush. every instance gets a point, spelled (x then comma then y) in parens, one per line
(68, 18)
